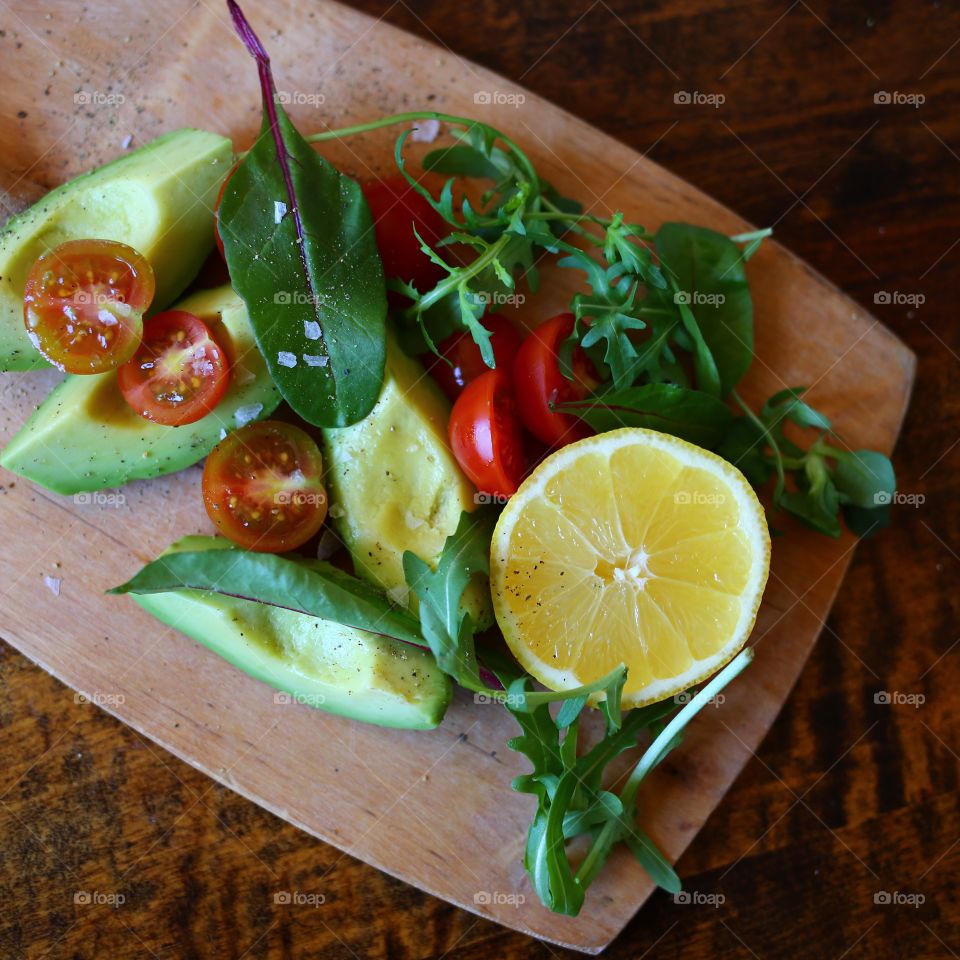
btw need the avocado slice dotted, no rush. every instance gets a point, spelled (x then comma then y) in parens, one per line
(84, 436)
(158, 199)
(336, 668)
(395, 484)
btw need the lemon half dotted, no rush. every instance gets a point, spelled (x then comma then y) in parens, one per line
(629, 547)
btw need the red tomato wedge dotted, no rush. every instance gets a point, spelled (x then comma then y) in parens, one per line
(397, 209)
(263, 487)
(179, 372)
(84, 303)
(486, 437)
(539, 383)
(461, 362)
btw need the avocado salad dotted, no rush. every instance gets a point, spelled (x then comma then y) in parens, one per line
(412, 493)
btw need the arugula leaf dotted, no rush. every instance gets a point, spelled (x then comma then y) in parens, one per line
(689, 414)
(312, 587)
(708, 272)
(299, 243)
(827, 479)
(571, 800)
(445, 626)
(864, 478)
(462, 160)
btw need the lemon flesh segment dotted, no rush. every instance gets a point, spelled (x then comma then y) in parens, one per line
(630, 547)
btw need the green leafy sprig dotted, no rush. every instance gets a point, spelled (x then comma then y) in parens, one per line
(574, 798)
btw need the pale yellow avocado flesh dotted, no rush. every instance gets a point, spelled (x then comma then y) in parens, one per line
(85, 436)
(157, 199)
(323, 664)
(395, 485)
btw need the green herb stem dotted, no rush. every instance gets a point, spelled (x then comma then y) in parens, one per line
(657, 750)
(771, 439)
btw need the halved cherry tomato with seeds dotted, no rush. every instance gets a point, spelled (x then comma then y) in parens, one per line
(84, 302)
(263, 487)
(179, 372)
(461, 362)
(539, 384)
(486, 437)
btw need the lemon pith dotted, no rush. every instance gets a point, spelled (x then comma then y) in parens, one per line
(635, 547)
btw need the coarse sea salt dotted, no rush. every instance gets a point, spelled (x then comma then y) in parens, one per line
(311, 329)
(279, 209)
(243, 415)
(286, 359)
(312, 360)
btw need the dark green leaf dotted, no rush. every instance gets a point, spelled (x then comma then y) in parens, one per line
(312, 587)
(708, 269)
(652, 860)
(744, 447)
(300, 246)
(787, 405)
(865, 523)
(690, 414)
(865, 478)
(445, 626)
(462, 161)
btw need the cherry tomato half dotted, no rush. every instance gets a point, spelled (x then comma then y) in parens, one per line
(538, 383)
(84, 303)
(216, 210)
(461, 362)
(485, 435)
(397, 208)
(178, 374)
(263, 487)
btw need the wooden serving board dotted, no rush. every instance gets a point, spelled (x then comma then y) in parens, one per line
(434, 809)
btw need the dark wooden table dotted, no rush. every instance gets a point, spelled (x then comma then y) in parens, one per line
(850, 800)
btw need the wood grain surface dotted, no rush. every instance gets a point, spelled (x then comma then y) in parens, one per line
(848, 798)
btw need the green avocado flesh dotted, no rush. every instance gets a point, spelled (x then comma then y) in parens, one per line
(323, 664)
(158, 199)
(85, 436)
(395, 484)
